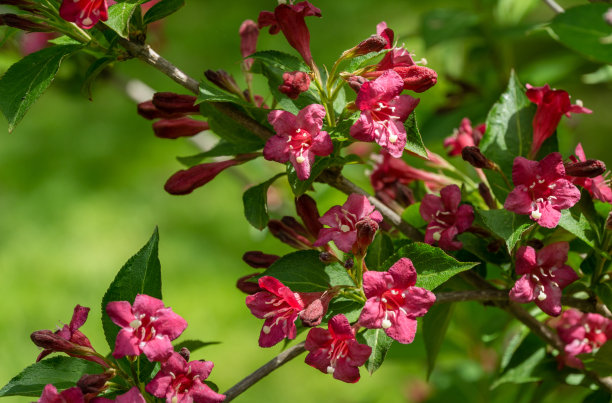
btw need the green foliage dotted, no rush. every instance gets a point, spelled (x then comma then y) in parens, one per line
(379, 251)
(193, 345)
(300, 187)
(228, 129)
(94, 70)
(119, 16)
(414, 142)
(283, 60)
(442, 24)
(600, 362)
(212, 93)
(435, 325)
(348, 307)
(380, 343)
(63, 372)
(26, 80)
(255, 201)
(222, 148)
(505, 224)
(162, 9)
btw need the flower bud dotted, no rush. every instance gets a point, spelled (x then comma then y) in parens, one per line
(355, 82)
(486, 195)
(294, 83)
(181, 127)
(259, 260)
(294, 225)
(349, 263)
(19, 22)
(366, 230)
(306, 208)
(175, 103)
(246, 286)
(475, 158)
(51, 341)
(185, 353)
(248, 41)
(314, 312)
(535, 244)
(585, 169)
(374, 43)
(223, 80)
(94, 383)
(287, 235)
(22, 5)
(416, 78)
(326, 257)
(149, 111)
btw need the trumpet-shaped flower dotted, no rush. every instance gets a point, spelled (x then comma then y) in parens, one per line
(84, 13)
(598, 186)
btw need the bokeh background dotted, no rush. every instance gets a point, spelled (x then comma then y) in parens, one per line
(81, 190)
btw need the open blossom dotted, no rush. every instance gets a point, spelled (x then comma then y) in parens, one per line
(552, 105)
(463, 137)
(541, 190)
(383, 112)
(598, 186)
(279, 306)
(51, 395)
(446, 217)
(179, 381)
(393, 302)
(336, 351)
(298, 138)
(582, 333)
(343, 221)
(131, 396)
(84, 13)
(544, 275)
(147, 327)
(289, 18)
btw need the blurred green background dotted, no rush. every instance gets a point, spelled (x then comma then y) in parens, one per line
(81, 190)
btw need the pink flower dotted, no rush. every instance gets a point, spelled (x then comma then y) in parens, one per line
(383, 111)
(180, 381)
(544, 275)
(248, 41)
(336, 351)
(51, 395)
(385, 32)
(131, 396)
(279, 306)
(582, 333)
(343, 220)
(446, 217)
(289, 18)
(147, 327)
(393, 301)
(541, 190)
(465, 136)
(68, 339)
(598, 186)
(84, 13)
(552, 105)
(298, 138)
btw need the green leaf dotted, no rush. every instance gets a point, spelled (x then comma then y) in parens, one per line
(283, 60)
(25, 81)
(365, 60)
(119, 16)
(379, 251)
(62, 371)
(302, 271)
(162, 9)
(505, 224)
(300, 187)
(598, 396)
(348, 307)
(413, 217)
(222, 148)
(193, 345)
(442, 25)
(380, 343)
(584, 30)
(414, 142)
(433, 266)
(227, 128)
(604, 292)
(64, 40)
(93, 71)
(255, 201)
(435, 325)
(479, 247)
(211, 93)
(141, 274)
(509, 133)
(600, 362)
(576, 223)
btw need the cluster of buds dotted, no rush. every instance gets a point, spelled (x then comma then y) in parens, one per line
(172, 110)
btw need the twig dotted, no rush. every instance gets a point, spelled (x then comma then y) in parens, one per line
(264, 370)
(554, 6)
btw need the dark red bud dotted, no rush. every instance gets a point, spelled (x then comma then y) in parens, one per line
(175, 103)
(306, 208)
(314, 312)
(355, 82)
(94, 383)
(287, 235)
(148, 111)
(535, 244)
(585, 169)
(294, 225)
(366, 230)
(374, 43)
(246, 286)
(22, 5)
(259, 260)
(486, 195)
(223, 80)
(326, 257)
(187, 180)
(478, 132)
(349, 263)
(181, 127)
(20, 22)
(294, 83)
(416, 78)
(475, 157)
(52, 341)
(185, 353)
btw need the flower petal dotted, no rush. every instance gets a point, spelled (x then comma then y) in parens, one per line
(402, 328)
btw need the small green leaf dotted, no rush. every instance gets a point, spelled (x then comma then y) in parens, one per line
(302, 271)
(284, 60)
(227, 128)
(600, 362)
(141, 274)
(222, 148)
(63, 372)
(576, 223)
(255, 201)
(300, 187)
(380, 343)
(414, 141)
(93, 71)
(433, 266)
(604, 292)
(379, 251)
(348, 307)
(211, 93)
(435, 325)
(505, 224)
(193, 345)
(162, 9)
(25, 81)
(413, 216)
(119, 16)
(584, 30)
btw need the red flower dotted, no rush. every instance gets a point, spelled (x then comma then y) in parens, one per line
(463, 137)
(289, 18)
(552, 105)
(51, 395)
(598, 186)
(248, 41)
(84, 13)
(336, 351)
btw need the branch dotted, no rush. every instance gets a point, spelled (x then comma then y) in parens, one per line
(554, 6)
(264, 370)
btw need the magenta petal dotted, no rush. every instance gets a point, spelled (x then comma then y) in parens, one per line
(322, 144)
(404, 105)
(551, 167)
(145, 304)
(359, 353)
(302, 169)
(566, 194)
(525, 260)
(372, 314)
(330, 218)
(418, 301)
(169, 323)
(522, 291)
(358, 205)
(311, 118)
(277, 149)
(200, 392)
(159, 384)
(126, 344)
(325, 236)
(554, 254)
(79, 317)
(346, 372)
(523, 171)
(518, 201)
(376, 282)
(201, 368)
(345, 240)
(552, 303)
(284, 123)
(403, 273)
(120, 312)
(271, 284)
(564, 276)
(451, 197)
(363, 128)
(395, 129)
(430, 205)
(158, 349)
(464, 217)
(550, 216)
(403, 328)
